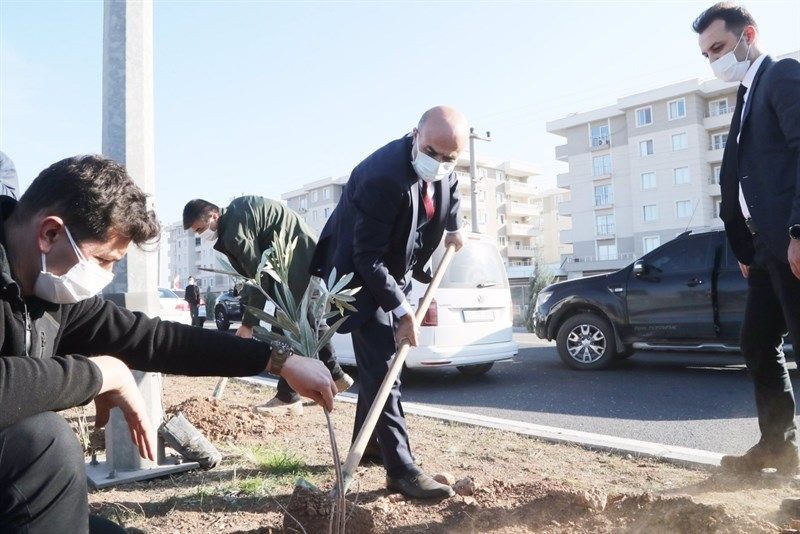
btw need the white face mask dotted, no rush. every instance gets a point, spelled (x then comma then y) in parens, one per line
(729, 69)
(430, 169)
(208, 234)
(84, 280)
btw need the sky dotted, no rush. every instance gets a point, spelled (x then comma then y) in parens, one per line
(256, 97)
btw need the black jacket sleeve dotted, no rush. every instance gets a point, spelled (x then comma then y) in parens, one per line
(784, 97)
(453, 222)
(95, 327)
(377, 201)
(29, 386)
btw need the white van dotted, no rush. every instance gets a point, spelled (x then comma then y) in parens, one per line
(469, 322)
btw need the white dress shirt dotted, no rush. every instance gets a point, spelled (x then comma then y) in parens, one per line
(747, 81)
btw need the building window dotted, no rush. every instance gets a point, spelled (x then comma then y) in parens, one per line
(314, 196)
(718, 141)
(605, 224)
(680, 141)
(482, 217)
(327, 213)
(482, 174)
(717, 207)
(715, 174)
(197, 241)
(303, 203)
(326, 193)
(606, 250)
(501, 219)
(650, 212)
(683, 209)
(651, 242)
(600, 135)
(680, 175)
(676, 109)
(500, 198)
(315, 215)
(499, 176)
(601, 165)
(718, 107)
(648, 181)
(481, 196)
(603, 195)
(646, 148)
(644, 116)
(501, 241)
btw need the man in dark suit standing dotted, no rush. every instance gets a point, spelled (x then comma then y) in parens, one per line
(393, 212)
(761, 210)
(192, 296)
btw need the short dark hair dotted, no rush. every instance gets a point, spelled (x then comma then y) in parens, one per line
(197, 209)
(736, 17)
(96, 199)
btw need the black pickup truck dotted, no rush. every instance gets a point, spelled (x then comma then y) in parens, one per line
(686, 294)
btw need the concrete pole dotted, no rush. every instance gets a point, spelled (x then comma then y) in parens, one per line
(128, 138)
(473, 175)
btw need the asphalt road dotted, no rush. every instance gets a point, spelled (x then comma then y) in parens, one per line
(701, 400)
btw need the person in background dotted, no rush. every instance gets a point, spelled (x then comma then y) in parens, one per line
(192, 297)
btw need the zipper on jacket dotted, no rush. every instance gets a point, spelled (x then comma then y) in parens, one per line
(27, 330)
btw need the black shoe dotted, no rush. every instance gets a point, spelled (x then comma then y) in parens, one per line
(784, 460)
(419, 486)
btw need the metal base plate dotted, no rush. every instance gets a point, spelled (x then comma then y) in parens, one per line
(100, 476)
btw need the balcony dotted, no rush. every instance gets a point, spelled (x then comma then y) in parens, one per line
(563, 180)
(565, 237)
(522, 210)
(519, 189)
(521, 251)
(565, 207)
(602, 142)
(718, 119)
(714, 154)
(562, 153)
(520, 229)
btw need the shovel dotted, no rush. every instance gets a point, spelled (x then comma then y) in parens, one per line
(360, 443)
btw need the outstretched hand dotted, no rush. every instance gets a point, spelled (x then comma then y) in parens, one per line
(310, 378)
(119, 390)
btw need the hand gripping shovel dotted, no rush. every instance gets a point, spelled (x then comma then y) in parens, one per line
(360, 443)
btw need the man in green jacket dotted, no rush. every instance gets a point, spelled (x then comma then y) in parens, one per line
(242, 232)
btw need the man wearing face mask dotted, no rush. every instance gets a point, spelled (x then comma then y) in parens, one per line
(760, 181)
(393, 212)
(57, 248)
(242, 232)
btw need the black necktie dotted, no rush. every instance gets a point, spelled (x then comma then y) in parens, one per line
(736, 120)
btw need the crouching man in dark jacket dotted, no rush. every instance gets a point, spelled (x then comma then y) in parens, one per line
(57, 249)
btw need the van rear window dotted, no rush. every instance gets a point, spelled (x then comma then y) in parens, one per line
(476, 264)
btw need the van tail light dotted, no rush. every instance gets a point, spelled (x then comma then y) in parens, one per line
(432, 315)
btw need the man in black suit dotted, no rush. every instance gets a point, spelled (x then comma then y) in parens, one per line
(192, 296)
(392, 215)
(761, 210)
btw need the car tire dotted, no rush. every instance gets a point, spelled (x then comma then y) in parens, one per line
(475, 370)
(586, 342)
(221, 318)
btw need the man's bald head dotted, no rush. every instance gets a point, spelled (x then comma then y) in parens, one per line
(442, 133)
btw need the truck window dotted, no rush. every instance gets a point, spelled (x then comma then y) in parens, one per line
(680, 255)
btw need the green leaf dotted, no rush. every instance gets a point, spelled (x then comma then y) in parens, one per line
(262, 334)
(331, 314)
(343, 298)
(342, 283)
(291, 326)
(329, 334)
(332, 278)
(277, 320)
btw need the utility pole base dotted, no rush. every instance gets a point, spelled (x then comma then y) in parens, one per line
(101, 475)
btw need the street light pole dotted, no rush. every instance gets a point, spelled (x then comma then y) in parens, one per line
(473, 172)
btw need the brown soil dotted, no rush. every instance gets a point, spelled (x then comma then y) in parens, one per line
(521, 484)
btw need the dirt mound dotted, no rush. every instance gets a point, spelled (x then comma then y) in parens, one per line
(310, 511)
(221, 421)
(550, 507)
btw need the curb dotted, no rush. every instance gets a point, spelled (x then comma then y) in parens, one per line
(676, 455)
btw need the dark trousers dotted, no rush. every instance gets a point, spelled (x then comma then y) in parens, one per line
(43, 479)
(374, 347)
(193, 311)
(326, 355)
(773, 305)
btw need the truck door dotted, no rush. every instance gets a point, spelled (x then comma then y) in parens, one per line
(669, 292)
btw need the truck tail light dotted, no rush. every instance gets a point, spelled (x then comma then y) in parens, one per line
(432, 315)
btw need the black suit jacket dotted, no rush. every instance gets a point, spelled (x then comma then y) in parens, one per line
(767, 162)
(372, 231)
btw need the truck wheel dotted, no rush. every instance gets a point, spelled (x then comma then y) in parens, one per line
(586, 342)
(475, 370)
(221, 319)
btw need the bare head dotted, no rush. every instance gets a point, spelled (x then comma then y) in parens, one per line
(442, 133)
(726, 27)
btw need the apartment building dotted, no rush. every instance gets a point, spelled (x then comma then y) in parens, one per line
(522, 216)
(642, 171)
(186, 253)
